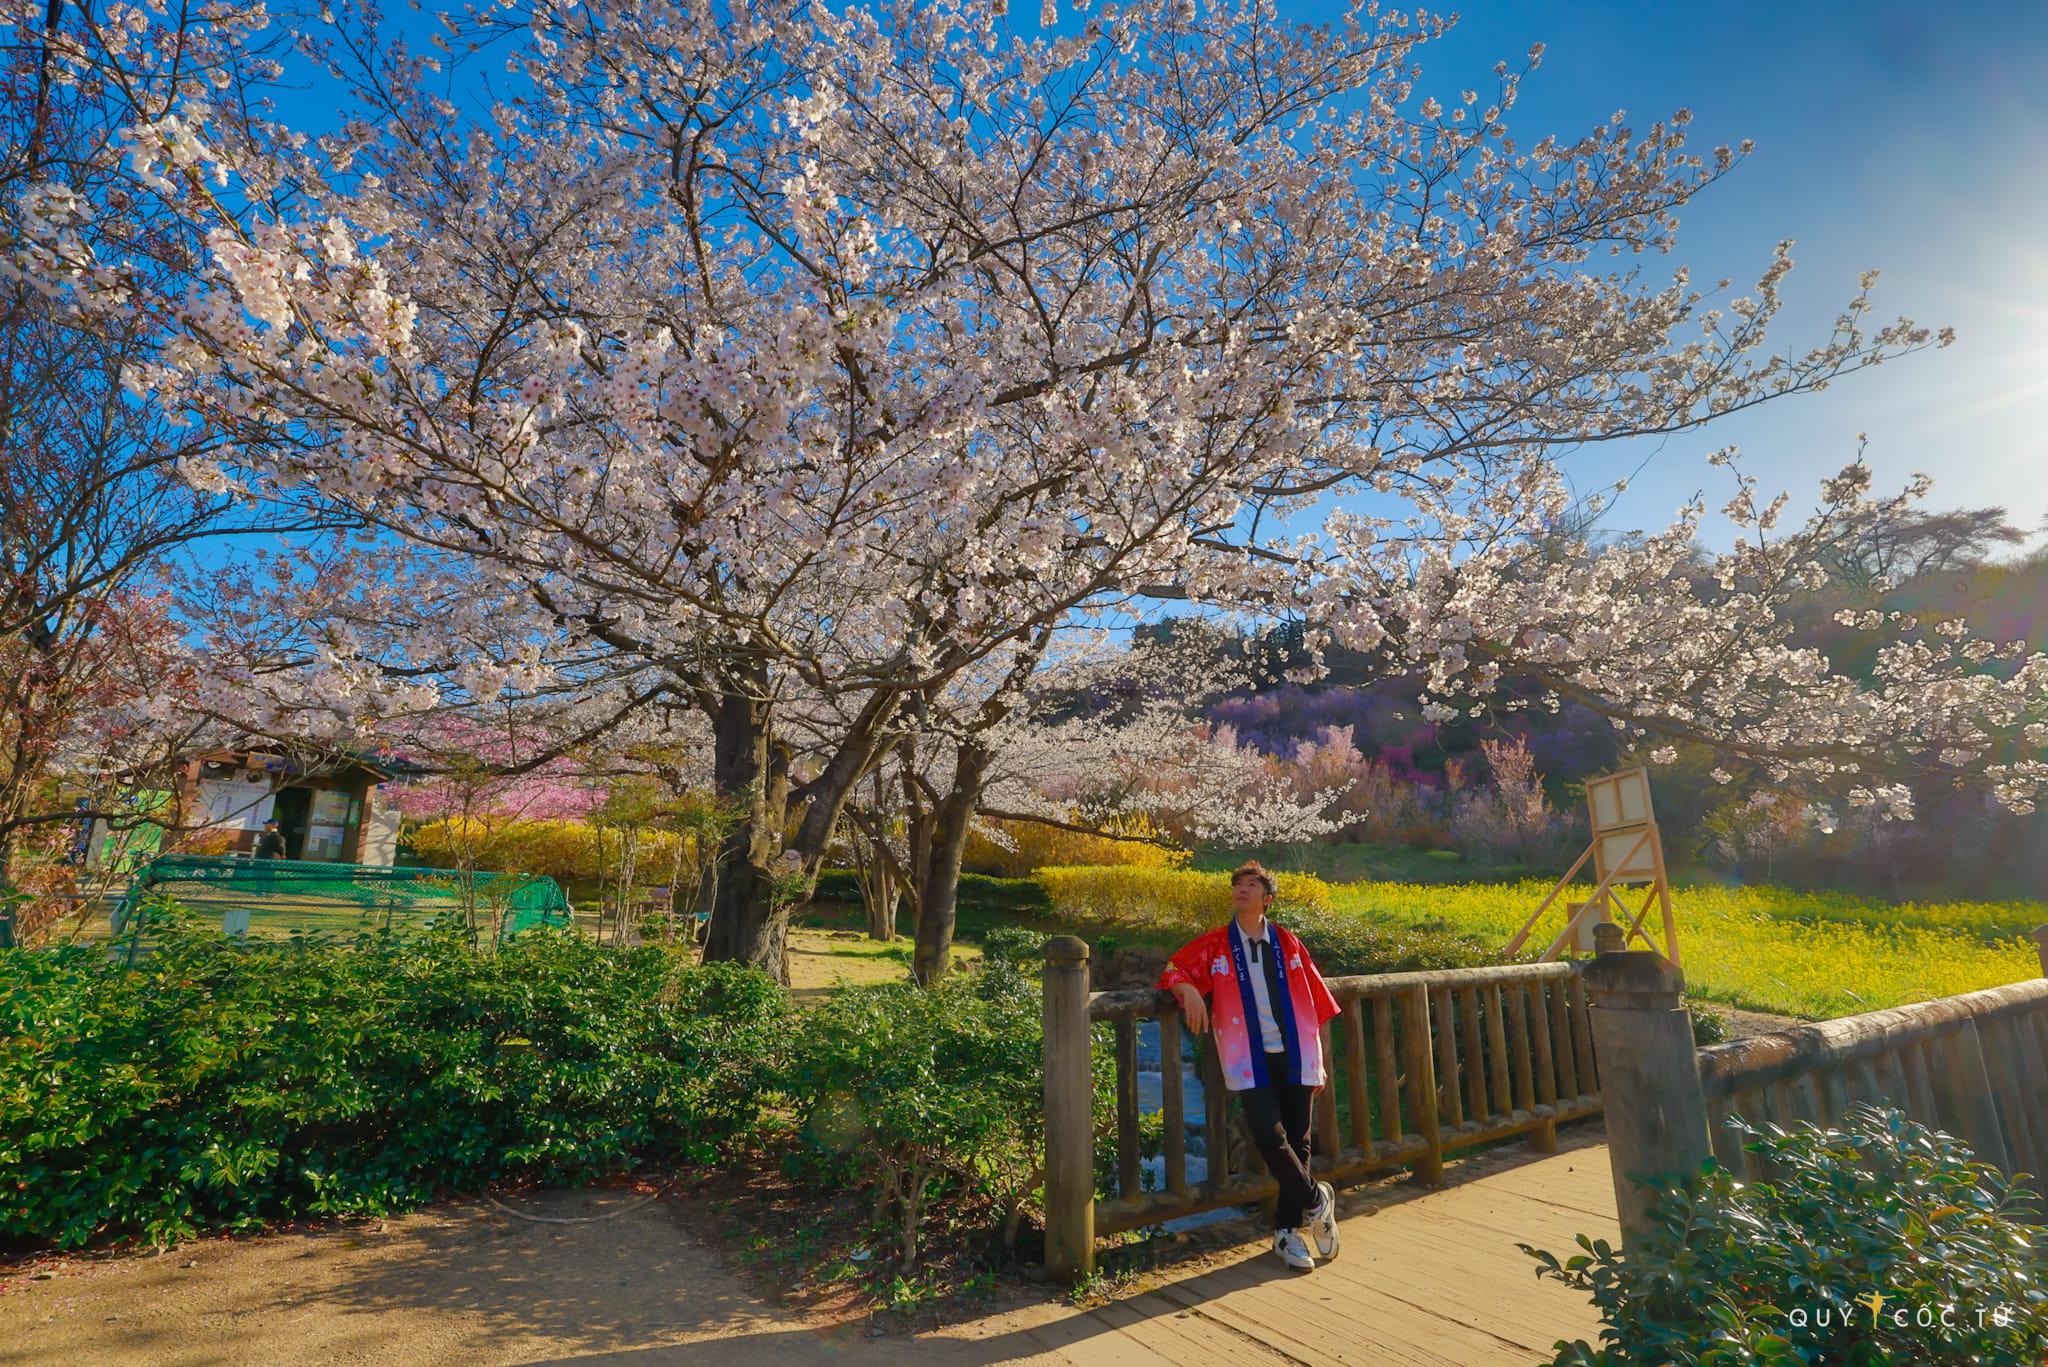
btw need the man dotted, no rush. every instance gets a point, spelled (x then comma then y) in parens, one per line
(270, 845)
(1268, 1002)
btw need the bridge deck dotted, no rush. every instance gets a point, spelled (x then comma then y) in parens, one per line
(1423, 1279)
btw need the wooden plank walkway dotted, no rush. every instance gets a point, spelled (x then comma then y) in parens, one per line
(1424, 1279)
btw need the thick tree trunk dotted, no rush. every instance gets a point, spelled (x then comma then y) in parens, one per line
(939, 901)
(750, 894)
(748, 925)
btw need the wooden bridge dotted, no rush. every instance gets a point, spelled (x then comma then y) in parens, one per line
(1428, 1277)
(1424, 1066)
(1427, 1066)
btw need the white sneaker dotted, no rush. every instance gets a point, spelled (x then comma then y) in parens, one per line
(1293, 1250)
(1322, 1221)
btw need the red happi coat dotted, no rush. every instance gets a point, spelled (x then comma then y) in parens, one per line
(1207, 963)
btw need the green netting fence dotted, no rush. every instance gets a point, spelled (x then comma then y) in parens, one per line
(289, 896)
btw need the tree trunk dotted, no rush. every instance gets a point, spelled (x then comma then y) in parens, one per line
(940, 900)
(881, 874)
(749, 915)
(748, 923)
(880, 888)
(878, 885)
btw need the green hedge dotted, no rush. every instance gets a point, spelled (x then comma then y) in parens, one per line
(221, 1085)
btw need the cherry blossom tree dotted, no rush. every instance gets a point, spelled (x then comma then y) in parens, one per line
(1671, 642)
(1095, 738)
(781, 352)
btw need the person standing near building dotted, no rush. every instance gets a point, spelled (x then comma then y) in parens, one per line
(1258, 985)
(270, 844)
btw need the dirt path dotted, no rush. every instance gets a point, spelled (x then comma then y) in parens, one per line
(1743, 1024)
(467, 1283)
(459, 1283)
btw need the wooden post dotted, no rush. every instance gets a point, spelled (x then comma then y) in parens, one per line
(1172, 1104)
(1415, 1049)
(1649, 1073)
(2041, 943)
(1069, 1114)
(1962, 1083)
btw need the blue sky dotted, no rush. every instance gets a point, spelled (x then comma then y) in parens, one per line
(1907, 138)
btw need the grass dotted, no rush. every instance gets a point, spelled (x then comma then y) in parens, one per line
(823, 957)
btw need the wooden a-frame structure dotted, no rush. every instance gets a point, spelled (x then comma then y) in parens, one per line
(1626, 852)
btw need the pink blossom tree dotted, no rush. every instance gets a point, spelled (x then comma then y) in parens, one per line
(477, 769)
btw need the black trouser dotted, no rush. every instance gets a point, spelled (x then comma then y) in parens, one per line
(1279, 1116)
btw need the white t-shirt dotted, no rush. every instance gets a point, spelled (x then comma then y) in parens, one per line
(1262, 1000)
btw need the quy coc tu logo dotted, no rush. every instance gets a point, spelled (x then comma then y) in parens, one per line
(1888, 1313)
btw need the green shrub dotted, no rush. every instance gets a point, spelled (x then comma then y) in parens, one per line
(1785, 1271)
(1709, 1023)
(978, 892)
(1015, 896)
(224, 1085)
(1018, 946)
(837, 885)
(931, 1097)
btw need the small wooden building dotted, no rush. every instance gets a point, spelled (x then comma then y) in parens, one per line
(327, 810)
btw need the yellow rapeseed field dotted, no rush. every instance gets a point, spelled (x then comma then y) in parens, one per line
(1158, 899)
(1816, 955)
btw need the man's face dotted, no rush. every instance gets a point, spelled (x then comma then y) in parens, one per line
(1249, 897)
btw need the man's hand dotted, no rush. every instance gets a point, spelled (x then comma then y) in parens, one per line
(1192, 1008)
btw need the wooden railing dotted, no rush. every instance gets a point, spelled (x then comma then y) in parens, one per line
(1426, 1063)
(1975, 1066)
